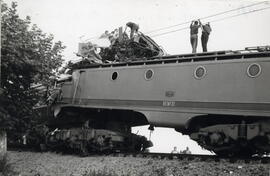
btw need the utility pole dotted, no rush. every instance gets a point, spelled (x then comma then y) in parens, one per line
(1, 90)
(3, 134)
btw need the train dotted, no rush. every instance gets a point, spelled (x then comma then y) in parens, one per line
(220, 99)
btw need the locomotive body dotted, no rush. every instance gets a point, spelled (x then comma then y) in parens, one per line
(224, 87)
(221, 99)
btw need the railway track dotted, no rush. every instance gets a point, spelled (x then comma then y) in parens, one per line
(195, 157)
(170, 156)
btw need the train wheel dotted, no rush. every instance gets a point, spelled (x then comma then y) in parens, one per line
(224, 153)
(238, 152)
(83, 151)
(43, 147)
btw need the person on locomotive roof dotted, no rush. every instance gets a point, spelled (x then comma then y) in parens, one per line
(194, 26)
(105, 34)
(133, 27)
(187, 151)
(174, 150)
(206, 29)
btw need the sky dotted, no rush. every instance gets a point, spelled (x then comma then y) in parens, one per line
(74, 21)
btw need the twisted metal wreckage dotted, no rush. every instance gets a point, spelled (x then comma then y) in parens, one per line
(121, 48)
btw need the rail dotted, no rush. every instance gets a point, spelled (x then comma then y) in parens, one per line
(169, 156)
(195, 157)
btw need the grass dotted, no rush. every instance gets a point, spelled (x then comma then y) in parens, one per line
(104, 172)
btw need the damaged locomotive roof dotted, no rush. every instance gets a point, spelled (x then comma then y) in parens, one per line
(117, 47)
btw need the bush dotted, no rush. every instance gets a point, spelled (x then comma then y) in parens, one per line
(6, 168)
(28, 57)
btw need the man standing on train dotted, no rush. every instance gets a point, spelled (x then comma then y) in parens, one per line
(206, 29)
(194, 26)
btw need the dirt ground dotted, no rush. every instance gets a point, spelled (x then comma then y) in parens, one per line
(52, 164)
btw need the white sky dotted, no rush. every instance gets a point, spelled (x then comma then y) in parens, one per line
(68, 20)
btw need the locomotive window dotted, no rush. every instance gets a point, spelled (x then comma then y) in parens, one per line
(149, 74)
(254, 70)
(199, 72)
(114, 75)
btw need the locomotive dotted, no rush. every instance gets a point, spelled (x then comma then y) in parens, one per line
(83, 129)
(220, 99)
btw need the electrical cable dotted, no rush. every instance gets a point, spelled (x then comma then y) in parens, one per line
(244, 13)
(187, 22)
(252, 11)
(217, 14)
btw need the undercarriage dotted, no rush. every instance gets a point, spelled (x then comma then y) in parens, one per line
(85, 141)
(98, 131)
(235, 139)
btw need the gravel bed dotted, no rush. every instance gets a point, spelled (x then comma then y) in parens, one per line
(50, 164)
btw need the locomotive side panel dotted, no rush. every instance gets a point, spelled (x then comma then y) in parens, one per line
(232, 87)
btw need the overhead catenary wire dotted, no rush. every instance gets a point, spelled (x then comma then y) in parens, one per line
(220, 19)
(209, 16)
(244, 13)
(187, 22)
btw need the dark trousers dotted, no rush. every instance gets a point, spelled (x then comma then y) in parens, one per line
(204, 39)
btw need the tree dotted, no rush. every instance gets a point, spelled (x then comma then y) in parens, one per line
(28, 56)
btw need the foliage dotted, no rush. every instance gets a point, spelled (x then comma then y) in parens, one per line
(28, 56)
(6, 168)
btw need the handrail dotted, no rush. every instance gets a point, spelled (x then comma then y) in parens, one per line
(206, 56)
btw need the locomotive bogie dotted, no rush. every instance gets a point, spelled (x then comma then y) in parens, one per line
(235, 138)
(85, 141)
